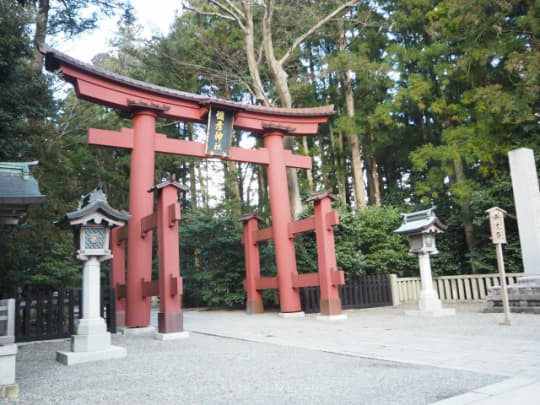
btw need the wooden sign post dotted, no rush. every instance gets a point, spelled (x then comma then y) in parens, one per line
(498, 237)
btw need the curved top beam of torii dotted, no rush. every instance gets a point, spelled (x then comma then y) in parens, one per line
(127, 94)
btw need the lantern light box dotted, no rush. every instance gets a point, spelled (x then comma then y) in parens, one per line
(420, 227)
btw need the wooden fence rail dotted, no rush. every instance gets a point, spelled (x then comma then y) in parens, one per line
(53, 314)
(463, 288)
(357, 292)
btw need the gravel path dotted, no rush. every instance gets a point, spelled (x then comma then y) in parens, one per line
(205, 369)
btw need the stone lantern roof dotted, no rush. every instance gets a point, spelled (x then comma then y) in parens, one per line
(424, 221)
(18, 190)
(94, 207)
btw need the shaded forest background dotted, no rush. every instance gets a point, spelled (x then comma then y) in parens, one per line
(429, 98)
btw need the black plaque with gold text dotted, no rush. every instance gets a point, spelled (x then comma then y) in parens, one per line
(219, 132)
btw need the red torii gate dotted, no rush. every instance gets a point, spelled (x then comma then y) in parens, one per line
(145, 102)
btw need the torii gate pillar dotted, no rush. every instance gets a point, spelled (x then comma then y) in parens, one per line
(139, 257)
(289, 297)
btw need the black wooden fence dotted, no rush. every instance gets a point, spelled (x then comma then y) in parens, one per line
(53, 314)
(357, 292)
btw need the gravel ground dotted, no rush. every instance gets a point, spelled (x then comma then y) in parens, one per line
(205, 369)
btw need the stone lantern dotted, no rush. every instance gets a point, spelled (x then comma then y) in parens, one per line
(420, 228)
(92, 223)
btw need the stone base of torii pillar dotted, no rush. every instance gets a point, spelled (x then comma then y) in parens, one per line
(91, 342)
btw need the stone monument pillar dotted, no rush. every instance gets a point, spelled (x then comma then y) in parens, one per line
(524, 296)
(527, 202)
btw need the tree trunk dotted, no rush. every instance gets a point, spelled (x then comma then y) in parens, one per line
(323, 171)
(352, 137)
(42, 20)
(263, 189)
(280, 79)
(251, 55)
(232, 186)
(467, 213)
(203, 190)
(339, 169)
(309, 172)
(374, 190)
(192, 170)
(244, 18)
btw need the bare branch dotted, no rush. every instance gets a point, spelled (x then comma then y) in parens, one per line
(236, 9)
(233, 12)
(315, 27)
(209, 13)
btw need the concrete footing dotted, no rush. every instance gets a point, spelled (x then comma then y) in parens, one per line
(7, 364)
(299, 314)
(171, 336)
(71, 358)
(332, 318)
(432, 314)
(146, 330)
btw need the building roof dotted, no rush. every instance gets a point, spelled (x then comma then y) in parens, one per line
(18, 190)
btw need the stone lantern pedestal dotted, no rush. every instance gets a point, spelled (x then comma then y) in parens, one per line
(91, 342)
(429, 303)
(92, 222)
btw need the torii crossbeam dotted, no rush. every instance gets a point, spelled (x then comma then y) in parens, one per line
(146, 102)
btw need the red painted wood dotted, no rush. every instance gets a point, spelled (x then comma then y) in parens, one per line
(148, 223)
(254, 302)
(121, 92)
(299, 161)
(263, 234)
(124, 139)
(122, 233)
(146, 102)
(306, 280)
(111, 93)
(140, 205)
(289, 297)
(257, 121)
(117, 275)
(168, 259)
(332, 219)
(174, 214)
(267, 283)
(301, 225)
(117, 139)
(326, 256)
(338, 277)
(150, 288)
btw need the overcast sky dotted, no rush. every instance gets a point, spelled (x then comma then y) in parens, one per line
(154, 16)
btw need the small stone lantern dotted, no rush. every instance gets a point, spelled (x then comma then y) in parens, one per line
(420, 227)
(92, 223)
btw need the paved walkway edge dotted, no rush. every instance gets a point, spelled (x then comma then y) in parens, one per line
(517, 390)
